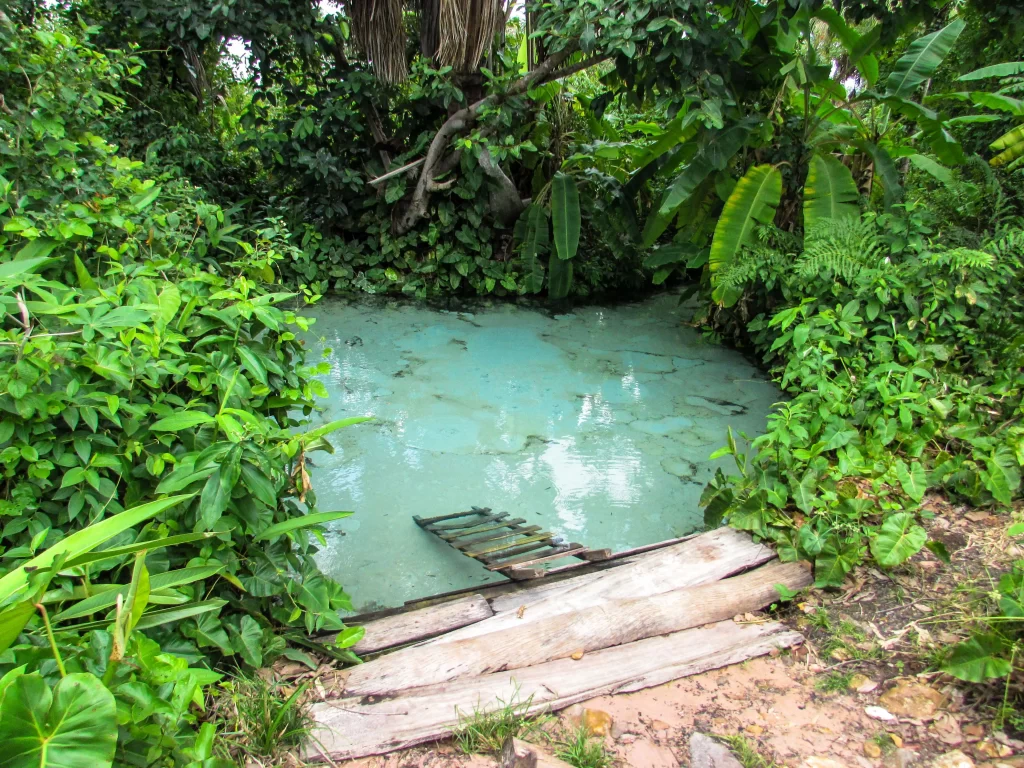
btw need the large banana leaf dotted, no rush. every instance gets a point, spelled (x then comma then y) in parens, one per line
(753, 201)
(565, 215)
(921, 60)
(1006, 69)
(559, 278)
(1010, 147)
(531, 231)
(830, 191)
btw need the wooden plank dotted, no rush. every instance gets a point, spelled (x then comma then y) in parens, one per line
(592, 628)
(474, 530)
(356, 727)
(700, 560)
(595, 555)
(408, 627)
(572, 550)
(516, 551)
(465, 524)
(431, 520)
(498, 548)
(518, 531)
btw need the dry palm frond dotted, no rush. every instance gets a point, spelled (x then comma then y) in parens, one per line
(378, 28)
(467, 29)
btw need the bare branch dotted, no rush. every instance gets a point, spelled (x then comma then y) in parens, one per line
(396, 171)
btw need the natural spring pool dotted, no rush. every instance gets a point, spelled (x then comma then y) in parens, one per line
(596, 424)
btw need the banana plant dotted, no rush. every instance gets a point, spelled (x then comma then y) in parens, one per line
(1008, 148)
(863, 125)
(534, 235)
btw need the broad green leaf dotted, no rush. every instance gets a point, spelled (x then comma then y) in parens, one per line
(39, 248)
(981, 658)
(349, 637)
(932, 168)
(830, 192)
(921, 60)
(295, 523)
(87, 540)
(999, 103)
(559, 278)
(12, 621)
(684, 185)
(165, 580)
(107, 554)
(331, 426)
(85, 280)
(753, 201)
(163, 616)
(533, 230)
(913, 479)
(181, 421)
(145, 199)
(1003, 475)
(74, 726)
(216, 495)
(831, 567)
(938, 549)
(674, 253)
(1006, 69)
(899, 538)
(21, 267)
(565, 218)
(248, 641)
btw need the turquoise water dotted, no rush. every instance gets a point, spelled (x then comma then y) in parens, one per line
(596, 424)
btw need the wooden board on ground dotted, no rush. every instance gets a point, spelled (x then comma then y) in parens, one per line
(601, 624)
(703, 559)
(360, 726)
(408, 627)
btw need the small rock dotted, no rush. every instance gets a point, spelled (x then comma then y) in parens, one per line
(821, 762)
(705, 752)
(861, 684)
(1002, 738)
(596, 722)
(659, 725)
(954, 759)
(977, 516)
(973, 732)
(914, 700)
(879, 713)
(754, 730)
(947, 729)
(627, 738)
(871, 749)
(991, 748)
(577, 655)
(841, 654)
(901, 758)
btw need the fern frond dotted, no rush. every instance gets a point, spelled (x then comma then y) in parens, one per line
(846, 247)
(964, 259)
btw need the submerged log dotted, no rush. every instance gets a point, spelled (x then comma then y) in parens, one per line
(600, 625)
(360, 726)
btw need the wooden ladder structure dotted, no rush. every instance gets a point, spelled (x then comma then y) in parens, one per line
(509, 547)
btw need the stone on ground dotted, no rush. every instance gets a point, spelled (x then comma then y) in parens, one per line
(705, 752)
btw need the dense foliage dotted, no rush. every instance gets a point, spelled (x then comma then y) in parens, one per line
(838, 183)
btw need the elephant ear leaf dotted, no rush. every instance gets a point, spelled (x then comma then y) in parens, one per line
(753, 201)
(830, 192)
(921, 60)
(565, 215)
(74, 726)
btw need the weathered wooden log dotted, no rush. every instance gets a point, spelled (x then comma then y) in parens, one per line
(404, 628)
(357, 727)
(602, 625)
(700, 560)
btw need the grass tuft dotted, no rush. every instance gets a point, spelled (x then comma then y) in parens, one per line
(259, 721)
(486, 731)
(747, 753)
(580, 749)
(833, 682)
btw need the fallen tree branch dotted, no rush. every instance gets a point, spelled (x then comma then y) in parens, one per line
(396, 172)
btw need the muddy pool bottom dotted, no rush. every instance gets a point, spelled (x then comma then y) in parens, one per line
(595, 425)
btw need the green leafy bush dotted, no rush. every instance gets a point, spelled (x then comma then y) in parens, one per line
(903, 372)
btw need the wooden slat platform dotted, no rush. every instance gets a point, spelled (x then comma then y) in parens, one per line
(657, 616)
(500, 544)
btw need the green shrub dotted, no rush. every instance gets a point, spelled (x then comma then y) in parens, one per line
(903, 366)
